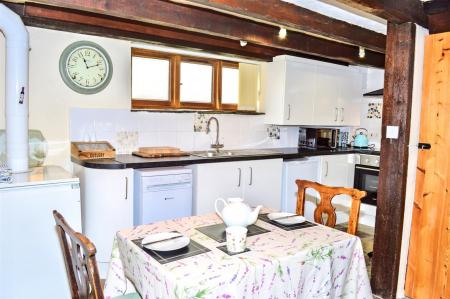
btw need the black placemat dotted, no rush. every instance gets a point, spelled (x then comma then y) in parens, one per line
(224, 249)
(217, 231)
(164, 257)
(263, 217)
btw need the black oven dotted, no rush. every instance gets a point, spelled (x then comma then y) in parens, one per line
(366, 178)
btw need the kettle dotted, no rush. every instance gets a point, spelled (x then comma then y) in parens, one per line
(360, 139)
(236, 213)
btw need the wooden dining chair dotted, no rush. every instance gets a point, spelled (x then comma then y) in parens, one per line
(327, 193)
(81, 265)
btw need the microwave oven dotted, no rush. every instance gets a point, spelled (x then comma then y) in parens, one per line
(318, 137)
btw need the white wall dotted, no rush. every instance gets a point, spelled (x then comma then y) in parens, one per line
(50, 99)
(375, 81)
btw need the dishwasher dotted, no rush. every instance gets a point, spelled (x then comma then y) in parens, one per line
(162, 194)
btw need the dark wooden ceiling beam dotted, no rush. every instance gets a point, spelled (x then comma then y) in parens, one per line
(438, 12)
(163, 14)
(395, 11)
(88, 23)
(295, 18)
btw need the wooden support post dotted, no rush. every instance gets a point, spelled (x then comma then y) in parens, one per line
(398, 85)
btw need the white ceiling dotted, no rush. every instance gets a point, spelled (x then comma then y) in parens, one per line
(347, 15)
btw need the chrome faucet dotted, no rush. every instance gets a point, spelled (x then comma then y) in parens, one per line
(216, 145)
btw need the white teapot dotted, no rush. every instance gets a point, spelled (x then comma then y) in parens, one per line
(236, 213)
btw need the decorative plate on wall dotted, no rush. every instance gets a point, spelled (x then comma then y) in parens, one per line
(85, 67)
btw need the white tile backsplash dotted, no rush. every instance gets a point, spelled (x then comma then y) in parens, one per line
(172, 129)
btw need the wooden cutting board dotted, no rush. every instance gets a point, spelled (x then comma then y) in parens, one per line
(159, 152)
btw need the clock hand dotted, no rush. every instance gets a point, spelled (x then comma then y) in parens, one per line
(93, 66)
(84, 59)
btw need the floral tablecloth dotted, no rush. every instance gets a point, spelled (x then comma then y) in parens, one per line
(314, 262)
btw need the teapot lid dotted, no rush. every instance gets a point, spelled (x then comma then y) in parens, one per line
(235, 199)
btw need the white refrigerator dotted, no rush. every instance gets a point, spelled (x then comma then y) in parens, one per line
(303, 169)
(31, 262)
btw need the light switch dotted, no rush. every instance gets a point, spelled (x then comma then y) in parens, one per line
(392, 132)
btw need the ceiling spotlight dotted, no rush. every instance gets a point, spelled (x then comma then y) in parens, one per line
(243, 43)
(282, 33)
(362, 52)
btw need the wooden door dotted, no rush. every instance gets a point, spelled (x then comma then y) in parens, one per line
(429, 253)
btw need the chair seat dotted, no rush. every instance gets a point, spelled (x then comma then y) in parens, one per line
(128, 296)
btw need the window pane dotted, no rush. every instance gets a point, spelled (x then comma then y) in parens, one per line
(230, 85)
(150, 79)
(196, 82)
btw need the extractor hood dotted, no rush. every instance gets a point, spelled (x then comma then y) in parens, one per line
(374, 93)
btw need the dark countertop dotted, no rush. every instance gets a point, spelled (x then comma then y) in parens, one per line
(290, 153)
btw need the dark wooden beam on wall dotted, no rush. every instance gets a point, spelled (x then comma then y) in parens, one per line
(395, 11)
(397, 99)
(196, 21)
(296, 18)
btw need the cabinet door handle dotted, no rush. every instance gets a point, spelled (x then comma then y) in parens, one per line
(126, 188)
(326, 168)
(342, 115)
(336, 112)
(289, 112)
(239, 180)
(251, 176)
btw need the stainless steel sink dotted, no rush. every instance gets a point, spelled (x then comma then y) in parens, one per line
(234, 153)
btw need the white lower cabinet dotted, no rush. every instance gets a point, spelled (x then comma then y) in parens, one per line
(257, 181)
(107, 207)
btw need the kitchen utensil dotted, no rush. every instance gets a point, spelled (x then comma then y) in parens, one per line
(286, 218)
(166, 241)
(163, 240)
(361, 139)
(236, 238)
(159, 152)
(236, 213)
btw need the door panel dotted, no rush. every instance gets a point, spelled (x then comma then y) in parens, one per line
(300, 93)
(262, 183)
(429, 251)
(214, 180)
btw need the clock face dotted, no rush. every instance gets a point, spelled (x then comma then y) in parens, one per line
(85, 67)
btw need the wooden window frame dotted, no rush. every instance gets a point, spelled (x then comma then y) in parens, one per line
(232, 65)
(174, 101)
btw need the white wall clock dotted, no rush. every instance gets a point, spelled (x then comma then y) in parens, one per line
(85, 67)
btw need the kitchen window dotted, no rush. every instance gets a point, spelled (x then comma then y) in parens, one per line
(172, 81)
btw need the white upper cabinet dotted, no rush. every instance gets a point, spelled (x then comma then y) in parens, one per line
(307, 92)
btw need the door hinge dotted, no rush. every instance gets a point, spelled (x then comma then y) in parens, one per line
(424, 146)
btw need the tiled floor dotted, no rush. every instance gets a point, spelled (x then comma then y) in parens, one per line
(365, 233)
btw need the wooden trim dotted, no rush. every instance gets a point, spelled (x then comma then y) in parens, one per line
(205, 61)
(145, 53)
(398, 85)
(152, 103)
(174, 82)
(223, 106)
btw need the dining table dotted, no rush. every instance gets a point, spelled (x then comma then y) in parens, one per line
(303, 261)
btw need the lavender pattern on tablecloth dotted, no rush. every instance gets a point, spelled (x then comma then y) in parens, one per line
(315, 262)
